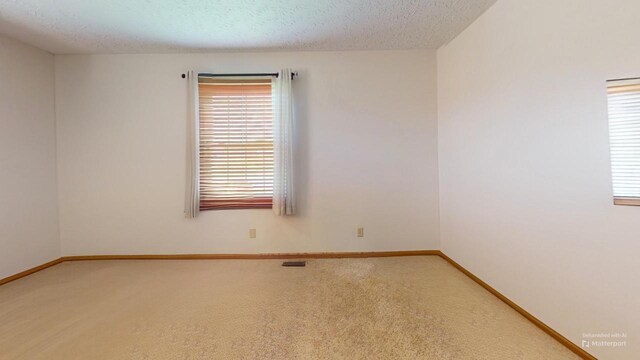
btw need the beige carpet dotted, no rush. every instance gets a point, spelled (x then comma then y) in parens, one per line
(384, 308)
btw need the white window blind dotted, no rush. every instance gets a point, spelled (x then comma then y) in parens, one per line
(236, 143)
(624, 138)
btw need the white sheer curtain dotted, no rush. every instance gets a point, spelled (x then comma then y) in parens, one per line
(192, 191)
(283, 196)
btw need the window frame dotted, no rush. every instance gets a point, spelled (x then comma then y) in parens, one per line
(237, 203)
(619, 140)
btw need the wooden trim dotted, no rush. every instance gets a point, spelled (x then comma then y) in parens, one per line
(544, 327)
(318, 255)
(626, 201)
(30, 271)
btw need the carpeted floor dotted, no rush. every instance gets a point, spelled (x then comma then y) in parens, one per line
(382, 308)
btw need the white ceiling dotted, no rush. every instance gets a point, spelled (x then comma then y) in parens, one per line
(152, 26)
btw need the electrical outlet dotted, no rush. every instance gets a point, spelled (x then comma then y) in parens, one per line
(252, 233)
(360, 232)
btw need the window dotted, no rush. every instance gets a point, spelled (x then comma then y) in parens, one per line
(624, 135)
(236, 143)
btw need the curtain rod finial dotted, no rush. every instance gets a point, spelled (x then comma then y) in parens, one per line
(184, 76)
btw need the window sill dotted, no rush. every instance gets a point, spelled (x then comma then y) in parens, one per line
(627, 201)
(236, 204)
(236, 208)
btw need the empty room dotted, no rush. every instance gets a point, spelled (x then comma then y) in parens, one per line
(338, 179)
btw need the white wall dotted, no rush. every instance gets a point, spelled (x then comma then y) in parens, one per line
(525, 185)
(367, 155)
(28, 204)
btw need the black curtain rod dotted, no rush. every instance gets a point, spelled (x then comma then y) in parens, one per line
(624, 79)
(293, 74)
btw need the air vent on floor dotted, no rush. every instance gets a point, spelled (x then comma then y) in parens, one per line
(295, 263)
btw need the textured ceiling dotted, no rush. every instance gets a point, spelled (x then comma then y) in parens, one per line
(151, 26)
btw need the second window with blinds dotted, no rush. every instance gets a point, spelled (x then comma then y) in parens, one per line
(236, 143)
(624, 139)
